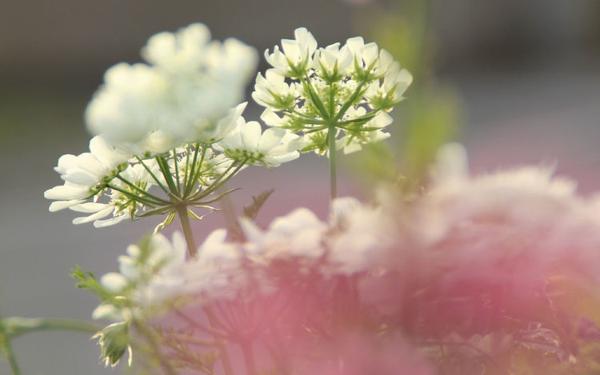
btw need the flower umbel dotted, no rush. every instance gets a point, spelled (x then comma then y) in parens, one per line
(344, 92)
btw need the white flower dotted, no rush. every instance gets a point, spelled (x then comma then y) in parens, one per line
(298, 234)
(296, 55)
(181, 98)
(217, 269)
(84, 174)
(272, 90)
(270, 148)
(344, 90)
(332, 61)
(148, 275)
(362, 237)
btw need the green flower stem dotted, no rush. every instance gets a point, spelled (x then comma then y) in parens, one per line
(332, 167)
(15, 327)
(152, 341)
(163, 188)
(134, 197)
(189, 238)
(196, 171)
(11, 358)
(164, 168)
(187, 229)
(176, 170)
(142, 191)
(11, 328)
(220, 181)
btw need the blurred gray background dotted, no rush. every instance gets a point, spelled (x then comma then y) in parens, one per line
(526, 72)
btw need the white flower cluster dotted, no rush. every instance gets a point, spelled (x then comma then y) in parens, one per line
(171, 127)
(348, 90)
(466, 226)
(179, 98)
(515, 226)
(355, 239)
(110, 186)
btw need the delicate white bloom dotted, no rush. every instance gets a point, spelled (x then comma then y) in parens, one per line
(332, 61)
(362, 237)
(296, 54)
(217, 270)
(270, 148)
(346, 90)
(298, 234)
(272, 90)
(148, 275)
(84, 174)
(182, 97)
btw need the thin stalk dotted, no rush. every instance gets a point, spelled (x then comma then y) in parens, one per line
(218, 182)
(332, 166)
(195, 170)
(142, 191)
(248, 353)
(189, 238)
(11, 358)
(133, 196)
(186, 171)
(20, 326)
(164, 168)
(187, 229)
(163, 188)
(176, 170)
(224, 355)
(152, 342)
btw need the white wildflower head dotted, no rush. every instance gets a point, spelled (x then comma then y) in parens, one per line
(249, 144)
(181, 96)
(86, 174)
(345, 91)
(298, 234)
(149, 274)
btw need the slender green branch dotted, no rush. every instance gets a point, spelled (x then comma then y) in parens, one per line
(220, 181)
(187, 229)
(142, 191)
(10, 357)
(189, 237)
(186, 171)
(154, 347)
(17, 326)
(176, 164)
(133, 196)
(166, 172)
(196, 171)
(331, 135)
(160, 184)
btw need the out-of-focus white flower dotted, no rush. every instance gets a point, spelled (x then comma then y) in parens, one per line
(182, 97)
(270, 148)
(84, 174)
(361, 239)
(298, 234)
(217, 270)
(148, 275)
(344, 90)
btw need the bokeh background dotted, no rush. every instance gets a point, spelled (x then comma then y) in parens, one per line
(517, 81)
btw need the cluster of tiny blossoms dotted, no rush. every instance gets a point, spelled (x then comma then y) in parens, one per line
(333, 95)
(168, 134)
(458, 242)
(221, 267)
